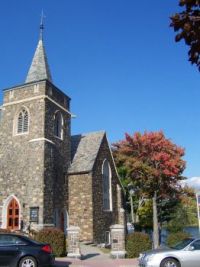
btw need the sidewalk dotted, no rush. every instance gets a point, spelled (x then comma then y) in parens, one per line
(63, 262)
(92, 256)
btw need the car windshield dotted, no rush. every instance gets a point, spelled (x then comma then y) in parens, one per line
(184, 243)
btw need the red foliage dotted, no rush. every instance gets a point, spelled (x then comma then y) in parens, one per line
(153, 162)
(187, 23)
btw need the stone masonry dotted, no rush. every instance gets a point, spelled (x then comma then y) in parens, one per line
(28, 169)
(86, 198)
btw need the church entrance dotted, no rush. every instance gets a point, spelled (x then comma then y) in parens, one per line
(13, 215)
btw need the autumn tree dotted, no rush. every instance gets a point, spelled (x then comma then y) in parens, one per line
(154, 166)
(187, 25)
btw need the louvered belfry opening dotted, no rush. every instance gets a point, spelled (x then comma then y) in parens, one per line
(22, 122)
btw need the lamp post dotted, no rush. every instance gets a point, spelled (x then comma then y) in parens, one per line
(198, 208)
(155, 222)
(131, 194)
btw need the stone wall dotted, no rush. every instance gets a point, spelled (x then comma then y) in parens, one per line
(22, 159)
(80, 204)
(86, 199)
(102, 220)
(57, 160)
(33, 165)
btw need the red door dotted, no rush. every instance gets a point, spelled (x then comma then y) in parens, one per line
(13, 215)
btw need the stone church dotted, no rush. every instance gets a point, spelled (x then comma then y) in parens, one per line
(48, 177)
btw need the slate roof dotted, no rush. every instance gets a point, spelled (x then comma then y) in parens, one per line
(39, 69)
(85, 148)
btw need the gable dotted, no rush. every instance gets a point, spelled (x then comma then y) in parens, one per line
(85, 148)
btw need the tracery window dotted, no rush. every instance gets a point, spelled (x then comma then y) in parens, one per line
(58, 125)
(107, 190)
(22, 121)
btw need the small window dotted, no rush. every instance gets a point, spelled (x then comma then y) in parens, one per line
(22, 121)
(58, 125)
(107, 194)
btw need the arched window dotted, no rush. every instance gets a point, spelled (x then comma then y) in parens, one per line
(58, 125)
(22, 121)
(107, 191)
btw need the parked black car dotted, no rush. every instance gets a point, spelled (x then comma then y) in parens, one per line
(20, 251)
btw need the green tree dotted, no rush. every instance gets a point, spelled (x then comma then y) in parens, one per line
(187, 25)
(154, 166)
(145, 213)
(185, 213)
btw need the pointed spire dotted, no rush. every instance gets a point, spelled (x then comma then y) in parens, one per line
(39, 69)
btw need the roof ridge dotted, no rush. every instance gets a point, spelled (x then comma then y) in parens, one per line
(88, 133)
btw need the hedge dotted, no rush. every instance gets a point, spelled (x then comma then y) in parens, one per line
(54, 237)
(136, 243)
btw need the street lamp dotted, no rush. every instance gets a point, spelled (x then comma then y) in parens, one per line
(131, 194)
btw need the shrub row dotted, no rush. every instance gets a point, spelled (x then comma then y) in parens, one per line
(138, 242)
(54, 237)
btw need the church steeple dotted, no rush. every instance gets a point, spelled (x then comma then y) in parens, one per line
(39, 69)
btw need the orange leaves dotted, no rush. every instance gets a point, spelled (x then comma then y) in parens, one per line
(151, 159)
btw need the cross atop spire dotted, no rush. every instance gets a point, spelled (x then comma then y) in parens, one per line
(42, 25)
(39, 69)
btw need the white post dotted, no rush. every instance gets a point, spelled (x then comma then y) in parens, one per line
(198, 203)
(155, 223)
(117, 241)
(73, 245)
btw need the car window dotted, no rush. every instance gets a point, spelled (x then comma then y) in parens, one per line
(196, 245)
(184, 243)
(31, 241)
(6, 240)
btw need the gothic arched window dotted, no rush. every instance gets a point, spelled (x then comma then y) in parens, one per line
(58, 125)
(107, 190)
(22, 121)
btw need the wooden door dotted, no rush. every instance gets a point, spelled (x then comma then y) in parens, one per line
(13, 215)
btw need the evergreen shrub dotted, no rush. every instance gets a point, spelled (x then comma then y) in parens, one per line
(136, 243)
(54, 237)
(174, 238)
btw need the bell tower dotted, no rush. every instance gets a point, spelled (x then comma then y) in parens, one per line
(35, 148)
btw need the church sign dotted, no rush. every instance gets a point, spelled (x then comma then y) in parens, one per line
(34, 214)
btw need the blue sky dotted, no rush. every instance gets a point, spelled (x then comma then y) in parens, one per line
(116, 59)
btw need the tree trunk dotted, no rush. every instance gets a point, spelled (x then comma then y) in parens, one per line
(155, 223)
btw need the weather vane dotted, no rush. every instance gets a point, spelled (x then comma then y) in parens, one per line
(42, 25)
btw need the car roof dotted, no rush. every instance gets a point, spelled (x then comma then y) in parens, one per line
(29, 239)
(13, 234)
